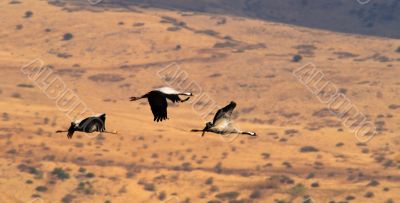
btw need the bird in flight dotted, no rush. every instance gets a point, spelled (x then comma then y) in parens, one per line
(95, 123)
(222, 123)
(158, 100)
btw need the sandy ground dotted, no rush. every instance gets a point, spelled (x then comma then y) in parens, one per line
(117, 53)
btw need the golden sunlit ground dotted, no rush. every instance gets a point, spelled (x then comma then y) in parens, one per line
(303, 152)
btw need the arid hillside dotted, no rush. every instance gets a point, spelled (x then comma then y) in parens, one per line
(64, 61)
(368, 17)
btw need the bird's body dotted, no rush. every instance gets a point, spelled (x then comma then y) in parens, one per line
(157, 99)
(222, 123)
(95, 123)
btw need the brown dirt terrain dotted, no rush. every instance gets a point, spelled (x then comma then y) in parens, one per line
(302, 151)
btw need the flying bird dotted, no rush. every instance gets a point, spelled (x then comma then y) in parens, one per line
(95, 123)
(158, 100)
(222, 123)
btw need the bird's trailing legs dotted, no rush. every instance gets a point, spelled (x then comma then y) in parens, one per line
(197, 130)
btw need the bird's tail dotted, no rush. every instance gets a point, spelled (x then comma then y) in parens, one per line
(70, 134)
(134, 98)
(249, 133)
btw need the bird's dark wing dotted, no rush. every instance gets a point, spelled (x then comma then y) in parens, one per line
(92, 124)
(225, 112)
(158, 104)
(173, 97)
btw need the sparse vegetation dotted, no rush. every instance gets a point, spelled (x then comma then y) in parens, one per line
(106, 78)
(139, 24)
(208, 32)
(19, 27)
(373, 183)
(162, 196)
(64, 55)
(297, 190)
(227, 195)
(41, 188)
(275, 181)
(308, 149)
(16, 95)
(339, 144)
(38, 174)
(68, 36)
(227, 44)
(28, 14)
(60, 173)
(297, 58)
(215, 75)
(218, 167)
(85, 188)
(173, 29)
(389, 201)
(82, 170)
(68, 198)
(315, 184)
(214, 188)
(310, 175)
(149, 187)
(90, 175)
(209, 181)
(394, 106)
(369, 194)
(255, 194)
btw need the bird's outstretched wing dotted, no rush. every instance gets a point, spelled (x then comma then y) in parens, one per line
(92, 124)
(225, 112)
(158, 104)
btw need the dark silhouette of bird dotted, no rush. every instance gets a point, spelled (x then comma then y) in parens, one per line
(222, 123)
(158, 100)
(96, 123)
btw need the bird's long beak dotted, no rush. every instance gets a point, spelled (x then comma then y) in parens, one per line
(61, 131)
